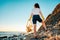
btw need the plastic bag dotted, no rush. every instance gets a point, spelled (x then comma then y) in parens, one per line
(29, 26)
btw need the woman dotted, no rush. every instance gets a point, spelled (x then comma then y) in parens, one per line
(35, 15)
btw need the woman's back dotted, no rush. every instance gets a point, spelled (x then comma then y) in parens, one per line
(36, 11)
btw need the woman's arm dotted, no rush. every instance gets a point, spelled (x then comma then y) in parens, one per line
(40, 13)
(31, 16)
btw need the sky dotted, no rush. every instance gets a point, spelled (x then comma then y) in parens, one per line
(15, 13)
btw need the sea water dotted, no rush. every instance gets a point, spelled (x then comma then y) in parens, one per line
(11, 36)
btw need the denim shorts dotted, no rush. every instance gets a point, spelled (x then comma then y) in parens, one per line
(36, 18)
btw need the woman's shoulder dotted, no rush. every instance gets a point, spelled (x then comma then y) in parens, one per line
(36, 9)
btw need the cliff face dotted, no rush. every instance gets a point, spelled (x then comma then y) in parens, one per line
(54, 18)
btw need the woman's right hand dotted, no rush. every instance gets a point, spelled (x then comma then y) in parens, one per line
(43, 17)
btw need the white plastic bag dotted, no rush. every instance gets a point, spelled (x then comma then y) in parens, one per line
(29, 26)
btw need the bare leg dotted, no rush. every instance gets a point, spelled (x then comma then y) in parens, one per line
(43, 23)
(35, 30)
